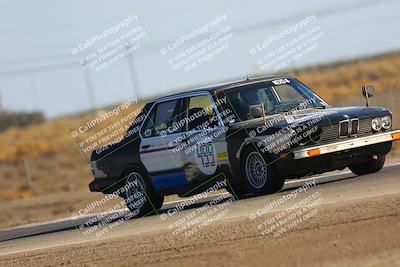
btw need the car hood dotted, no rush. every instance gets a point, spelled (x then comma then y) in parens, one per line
(328, 116)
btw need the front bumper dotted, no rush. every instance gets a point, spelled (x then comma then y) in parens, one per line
(346, 145)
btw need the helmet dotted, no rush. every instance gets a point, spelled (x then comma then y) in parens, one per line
(250, 97)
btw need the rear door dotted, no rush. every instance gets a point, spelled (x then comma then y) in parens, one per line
(161, 134)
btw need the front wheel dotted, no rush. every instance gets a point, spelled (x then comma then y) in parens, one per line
(139, 195)
(374, 164)
(260, 176)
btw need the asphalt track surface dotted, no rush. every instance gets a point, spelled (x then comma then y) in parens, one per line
(334, 189)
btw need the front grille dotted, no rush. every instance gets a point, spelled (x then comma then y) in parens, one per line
(355, 124)
(344, 129)
(365, 127)
(331, 133)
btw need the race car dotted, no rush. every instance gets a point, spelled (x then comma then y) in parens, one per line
(252, 134)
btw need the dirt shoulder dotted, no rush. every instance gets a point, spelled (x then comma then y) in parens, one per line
(349, 233)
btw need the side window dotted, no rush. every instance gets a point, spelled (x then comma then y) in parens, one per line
(239, 100)
(269, 100)
(201, 113)
(164, 118)
(232, 104)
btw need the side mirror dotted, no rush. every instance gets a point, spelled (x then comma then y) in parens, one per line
(368, 91)
(256, 111)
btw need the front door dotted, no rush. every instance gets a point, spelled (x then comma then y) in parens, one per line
(205, 147)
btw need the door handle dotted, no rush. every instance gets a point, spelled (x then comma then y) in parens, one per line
(145, 146)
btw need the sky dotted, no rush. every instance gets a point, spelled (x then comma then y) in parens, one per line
(39, 69)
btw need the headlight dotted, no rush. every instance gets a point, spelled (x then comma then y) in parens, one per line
(387, 122)
(376, 124)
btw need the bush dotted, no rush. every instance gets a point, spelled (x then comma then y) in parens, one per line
(20, 119)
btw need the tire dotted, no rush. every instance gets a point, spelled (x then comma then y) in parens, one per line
(260, 177)
(140, 196)
(236, 191)
(370, 166)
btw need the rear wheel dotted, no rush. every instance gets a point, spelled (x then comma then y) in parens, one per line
(374, 164)
(140, 197)
(238, 192)
(260, 176)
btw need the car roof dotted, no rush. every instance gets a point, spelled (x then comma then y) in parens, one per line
(227, 85)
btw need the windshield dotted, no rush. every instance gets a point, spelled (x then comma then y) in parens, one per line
(277, 96)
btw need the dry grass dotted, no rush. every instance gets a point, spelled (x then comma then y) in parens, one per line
(58, 167)
(340, 83)
(52, 155)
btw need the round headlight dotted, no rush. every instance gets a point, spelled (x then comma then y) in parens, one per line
(376, 124)
(387, 122)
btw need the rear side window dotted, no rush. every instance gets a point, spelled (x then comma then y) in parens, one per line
(163, 118)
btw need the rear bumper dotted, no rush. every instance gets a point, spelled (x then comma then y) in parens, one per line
(104, 185)
(346, 145)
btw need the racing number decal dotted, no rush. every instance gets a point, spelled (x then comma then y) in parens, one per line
(206, 153)
(281, 81)
(205, 158)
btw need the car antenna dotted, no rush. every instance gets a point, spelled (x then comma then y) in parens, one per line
(243, 63)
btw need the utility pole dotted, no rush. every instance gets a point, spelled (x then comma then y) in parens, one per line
(89, 88)
(32, 84)
(1, 105)
(132, 70)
